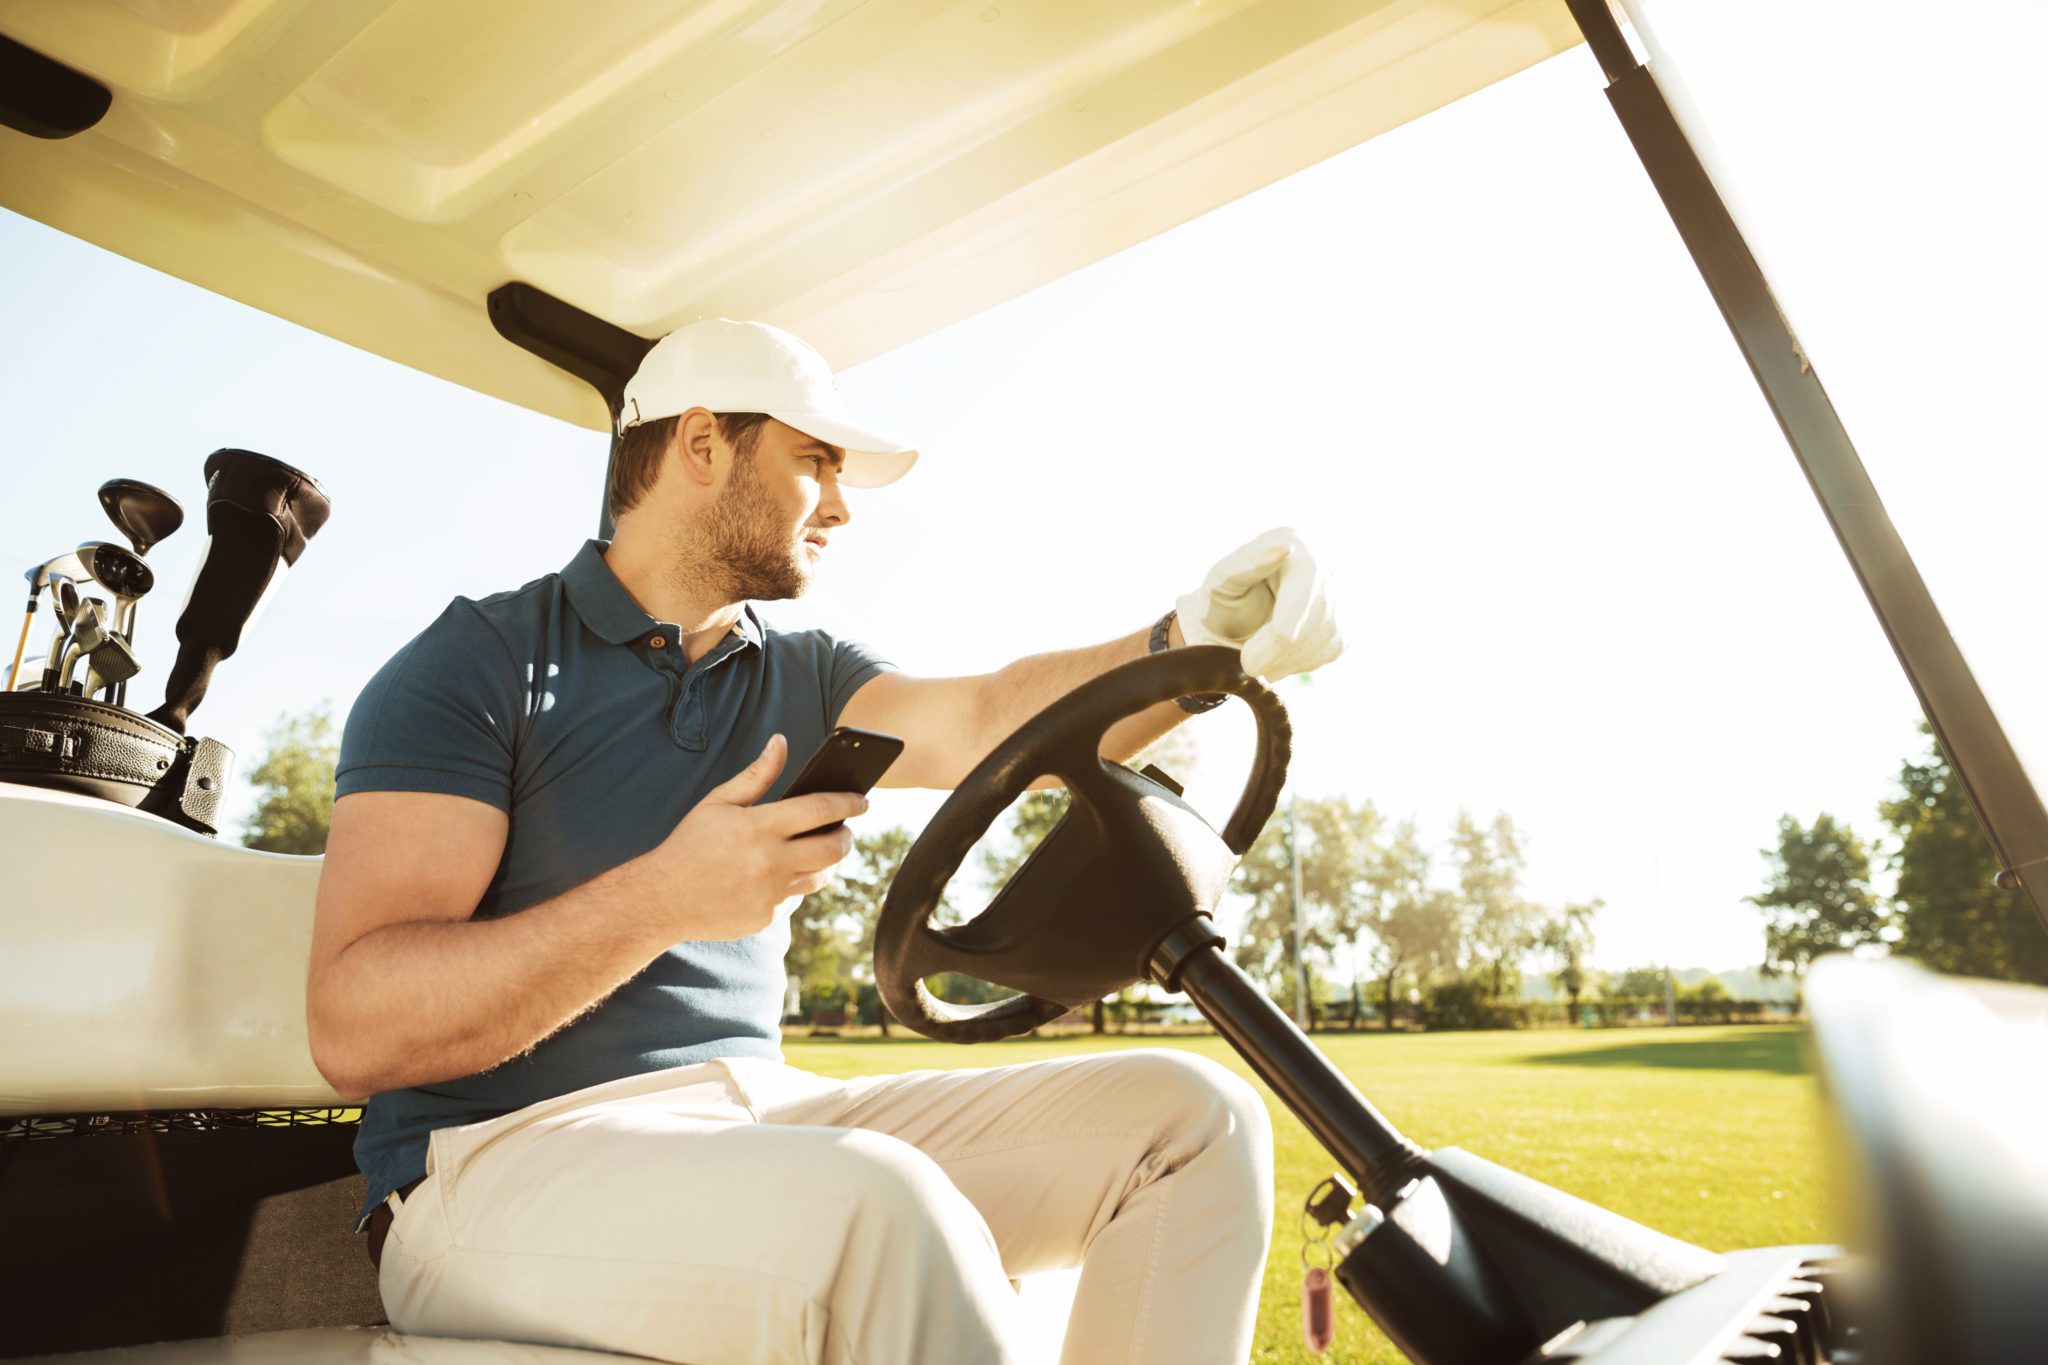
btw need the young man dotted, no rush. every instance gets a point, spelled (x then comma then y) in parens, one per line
(549, 938)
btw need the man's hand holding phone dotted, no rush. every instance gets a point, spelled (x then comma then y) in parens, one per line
(741, 860)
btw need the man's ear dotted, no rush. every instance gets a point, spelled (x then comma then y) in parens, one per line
(695, 447)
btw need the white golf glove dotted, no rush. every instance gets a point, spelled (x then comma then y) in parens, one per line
(1268, 600)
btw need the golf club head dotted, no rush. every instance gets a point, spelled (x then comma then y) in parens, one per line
(90, 625)
(142, 512)
(89, 630)
(64, 598)
(116, 568)
(113, 661)
(64, 602)
(260, 515)
(66, 565)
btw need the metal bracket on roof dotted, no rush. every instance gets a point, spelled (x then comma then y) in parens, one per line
(597, 352)
(1983, 759)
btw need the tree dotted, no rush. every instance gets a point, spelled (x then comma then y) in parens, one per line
(1818, 897)
(1265, 941)
(822, 937)
(1951, 914)
(1637, 983)
(1499, 925)
(1414, 927)
(841, 918)
(1343, 884)
(1568, 936)
(295, 785)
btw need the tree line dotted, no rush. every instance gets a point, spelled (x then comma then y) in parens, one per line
(1389, 921)
(1945, 909)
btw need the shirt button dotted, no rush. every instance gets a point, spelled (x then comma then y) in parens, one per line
(656, 642)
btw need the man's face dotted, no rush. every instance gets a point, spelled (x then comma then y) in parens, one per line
(768, 526)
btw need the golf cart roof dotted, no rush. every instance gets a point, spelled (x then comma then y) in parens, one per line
(861, 173)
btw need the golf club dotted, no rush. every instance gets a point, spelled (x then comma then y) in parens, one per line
(142, 512)
(260, 515)
(109, 665)
(126, 576)
(64, 602)
(66, 565)
(89, 628)
(121, 572)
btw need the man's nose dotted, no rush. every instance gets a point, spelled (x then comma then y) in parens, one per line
(832, 508)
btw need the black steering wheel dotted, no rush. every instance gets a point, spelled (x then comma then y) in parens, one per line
(1127, 864)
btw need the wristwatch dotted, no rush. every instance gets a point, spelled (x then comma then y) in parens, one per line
(1201, 701)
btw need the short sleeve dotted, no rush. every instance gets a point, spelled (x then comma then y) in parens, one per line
(848, 668)
(442, 716)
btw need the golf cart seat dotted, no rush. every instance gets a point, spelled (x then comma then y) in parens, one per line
(172, 1164)
(173, 1168)
(118, 995)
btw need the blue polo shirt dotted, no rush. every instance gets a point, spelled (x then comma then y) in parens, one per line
(566, 706)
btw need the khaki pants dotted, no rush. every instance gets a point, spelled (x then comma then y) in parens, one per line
(743, 1211)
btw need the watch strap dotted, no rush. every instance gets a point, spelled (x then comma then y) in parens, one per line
(1201, 701)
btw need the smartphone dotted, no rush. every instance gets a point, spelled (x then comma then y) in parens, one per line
(850, 760)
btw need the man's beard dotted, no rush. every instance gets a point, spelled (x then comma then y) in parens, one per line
(746, 551)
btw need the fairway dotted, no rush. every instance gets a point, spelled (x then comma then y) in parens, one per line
(1709, 1134)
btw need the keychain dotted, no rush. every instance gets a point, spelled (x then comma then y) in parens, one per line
(1329, 1204)
(1318, 1311)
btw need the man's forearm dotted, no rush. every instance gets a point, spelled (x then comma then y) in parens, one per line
(1019, 691)
(430, 1000)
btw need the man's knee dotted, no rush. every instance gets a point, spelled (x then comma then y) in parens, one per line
(898, 1194)
(1204, 1102)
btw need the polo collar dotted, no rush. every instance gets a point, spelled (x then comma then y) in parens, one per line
(610, 611)
(600, 599)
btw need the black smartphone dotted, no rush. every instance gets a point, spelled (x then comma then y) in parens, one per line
(850, 760)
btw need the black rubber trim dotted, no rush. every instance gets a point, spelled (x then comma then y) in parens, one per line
(600, 354)
(597, 352)
(44, 98)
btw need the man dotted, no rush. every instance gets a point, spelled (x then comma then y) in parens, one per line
(549, 938)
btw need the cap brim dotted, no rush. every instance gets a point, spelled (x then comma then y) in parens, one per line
(872, 459)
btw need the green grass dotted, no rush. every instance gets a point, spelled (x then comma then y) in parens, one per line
(1709, 1134)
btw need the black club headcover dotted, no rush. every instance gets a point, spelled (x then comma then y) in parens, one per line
(260, 513)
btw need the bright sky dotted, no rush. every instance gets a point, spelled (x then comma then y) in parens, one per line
(1581, 576)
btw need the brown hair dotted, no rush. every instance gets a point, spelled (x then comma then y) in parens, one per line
(636, 459)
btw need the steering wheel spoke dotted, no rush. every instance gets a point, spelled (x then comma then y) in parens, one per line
(1128, 863)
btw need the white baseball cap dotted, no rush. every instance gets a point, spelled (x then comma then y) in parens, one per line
(729, 366)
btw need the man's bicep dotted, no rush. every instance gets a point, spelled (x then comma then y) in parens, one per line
(942, 722)
(396, 856)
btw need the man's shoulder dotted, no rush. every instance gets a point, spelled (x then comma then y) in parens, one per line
(510, 615)
(807, 638)
(810, 646)
(840, 665)
(473, 649)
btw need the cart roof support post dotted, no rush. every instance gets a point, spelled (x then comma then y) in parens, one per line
(600, 354)
(1968, 731)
